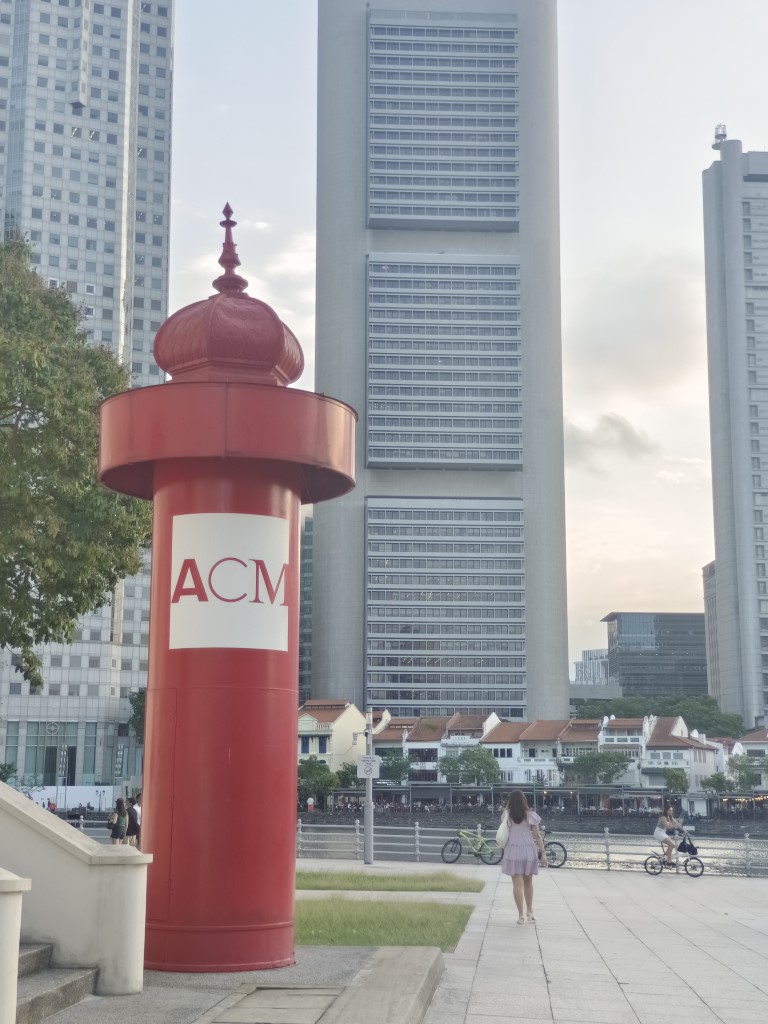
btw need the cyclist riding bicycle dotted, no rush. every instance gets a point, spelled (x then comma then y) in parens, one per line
(664, 832)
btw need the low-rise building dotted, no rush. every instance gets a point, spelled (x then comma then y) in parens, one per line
(329, 729)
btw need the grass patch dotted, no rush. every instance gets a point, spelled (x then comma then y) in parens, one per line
(436, 881)
(340, 922)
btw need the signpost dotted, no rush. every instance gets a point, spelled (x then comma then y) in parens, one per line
(368, 769)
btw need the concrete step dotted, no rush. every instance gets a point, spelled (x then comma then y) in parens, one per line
(42, 994)
(34, 956)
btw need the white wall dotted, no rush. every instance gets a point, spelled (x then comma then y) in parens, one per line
(88, 900)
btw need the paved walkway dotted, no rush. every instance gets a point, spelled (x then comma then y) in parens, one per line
(612, 948)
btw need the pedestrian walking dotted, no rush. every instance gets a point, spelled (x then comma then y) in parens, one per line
(137, 808)
(523, 852)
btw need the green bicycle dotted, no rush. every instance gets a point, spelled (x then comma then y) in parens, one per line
(488, 852)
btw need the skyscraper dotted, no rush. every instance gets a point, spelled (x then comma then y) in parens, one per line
(85, 156)
(736, 254)
(657, 654)
(439, 583)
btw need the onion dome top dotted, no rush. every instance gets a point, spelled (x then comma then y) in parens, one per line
(229, 336)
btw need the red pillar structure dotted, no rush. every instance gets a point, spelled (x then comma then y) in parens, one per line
(228, 454)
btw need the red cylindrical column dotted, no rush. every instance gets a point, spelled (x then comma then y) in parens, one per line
(228, 456)
(221, 740)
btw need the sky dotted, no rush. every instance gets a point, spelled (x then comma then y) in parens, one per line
(642, 85)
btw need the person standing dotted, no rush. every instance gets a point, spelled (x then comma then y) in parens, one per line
(521, 854)
(118, 819)
(137, 808)
(133, 823)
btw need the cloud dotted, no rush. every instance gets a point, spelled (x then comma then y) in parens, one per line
(296, 260)
(254, 225)
(612, 435)
(634, 327)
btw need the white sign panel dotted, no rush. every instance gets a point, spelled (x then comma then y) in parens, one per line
(228, 578)
(368, 766)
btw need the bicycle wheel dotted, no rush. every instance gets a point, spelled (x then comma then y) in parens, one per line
(451, 851)
(694, 867)
(491, 852)
(653, 865)
(557, 854)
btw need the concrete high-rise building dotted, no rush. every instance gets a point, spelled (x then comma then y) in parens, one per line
(657, 654)
(439, 583)
(85, 159)
(736, 252)
(710, 630)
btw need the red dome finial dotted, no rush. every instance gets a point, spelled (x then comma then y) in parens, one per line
(229, 282)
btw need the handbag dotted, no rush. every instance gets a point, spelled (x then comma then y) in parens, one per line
(502, 833)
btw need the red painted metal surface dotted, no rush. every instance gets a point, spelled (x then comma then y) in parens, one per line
(228, 455)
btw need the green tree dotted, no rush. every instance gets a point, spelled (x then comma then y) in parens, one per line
(700, 712)
(138, 702)
(717, 783)
(473, 766)
(65, 541)
(7, 771)
(675, 780)
(346, 776)
(315, 778)
(599, 766)
(449, 766)
(745, 772)
(395, 766)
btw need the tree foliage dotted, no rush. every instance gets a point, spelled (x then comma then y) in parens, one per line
(745, 773)
(702, 713)
(7, 771)
(395, 766)
(598, 766)
(65, 541)
(717, 783)
(138, 702)
(346, 776)
(315, 778)
(474, 765)
(675, 779)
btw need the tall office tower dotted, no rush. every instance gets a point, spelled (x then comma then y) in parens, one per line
(85, 156)
(305, 612)
(439, 583)
(736, 255)
(657, 654)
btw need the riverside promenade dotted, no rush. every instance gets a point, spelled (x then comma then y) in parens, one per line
(616, 947)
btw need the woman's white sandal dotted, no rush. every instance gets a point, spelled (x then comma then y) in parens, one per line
(521, 920)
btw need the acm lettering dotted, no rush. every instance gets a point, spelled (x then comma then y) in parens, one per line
(190, 582)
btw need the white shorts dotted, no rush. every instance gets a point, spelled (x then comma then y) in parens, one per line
(661, 835)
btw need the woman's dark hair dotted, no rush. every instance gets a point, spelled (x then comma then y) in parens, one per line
(120, 805)
(668, 809)
(517, 806)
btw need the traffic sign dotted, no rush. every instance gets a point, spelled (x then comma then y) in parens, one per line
(368, 766)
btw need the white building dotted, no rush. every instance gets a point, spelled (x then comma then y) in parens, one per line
(439, 583)
(85, 157)
(332, 731)
(592, 669)
(736, 250)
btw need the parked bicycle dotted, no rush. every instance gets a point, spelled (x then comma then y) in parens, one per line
(556, 853)
(479, 846)
(657, 862)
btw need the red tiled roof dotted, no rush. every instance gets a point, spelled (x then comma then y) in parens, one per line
(465, 723)
(394, 729)
(428, 730)
(581, 730)
(505, 732)
(761, 736)
(624, 723)
(324, 710)
(545, 729)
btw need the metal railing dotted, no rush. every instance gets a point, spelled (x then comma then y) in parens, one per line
(608, 850)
